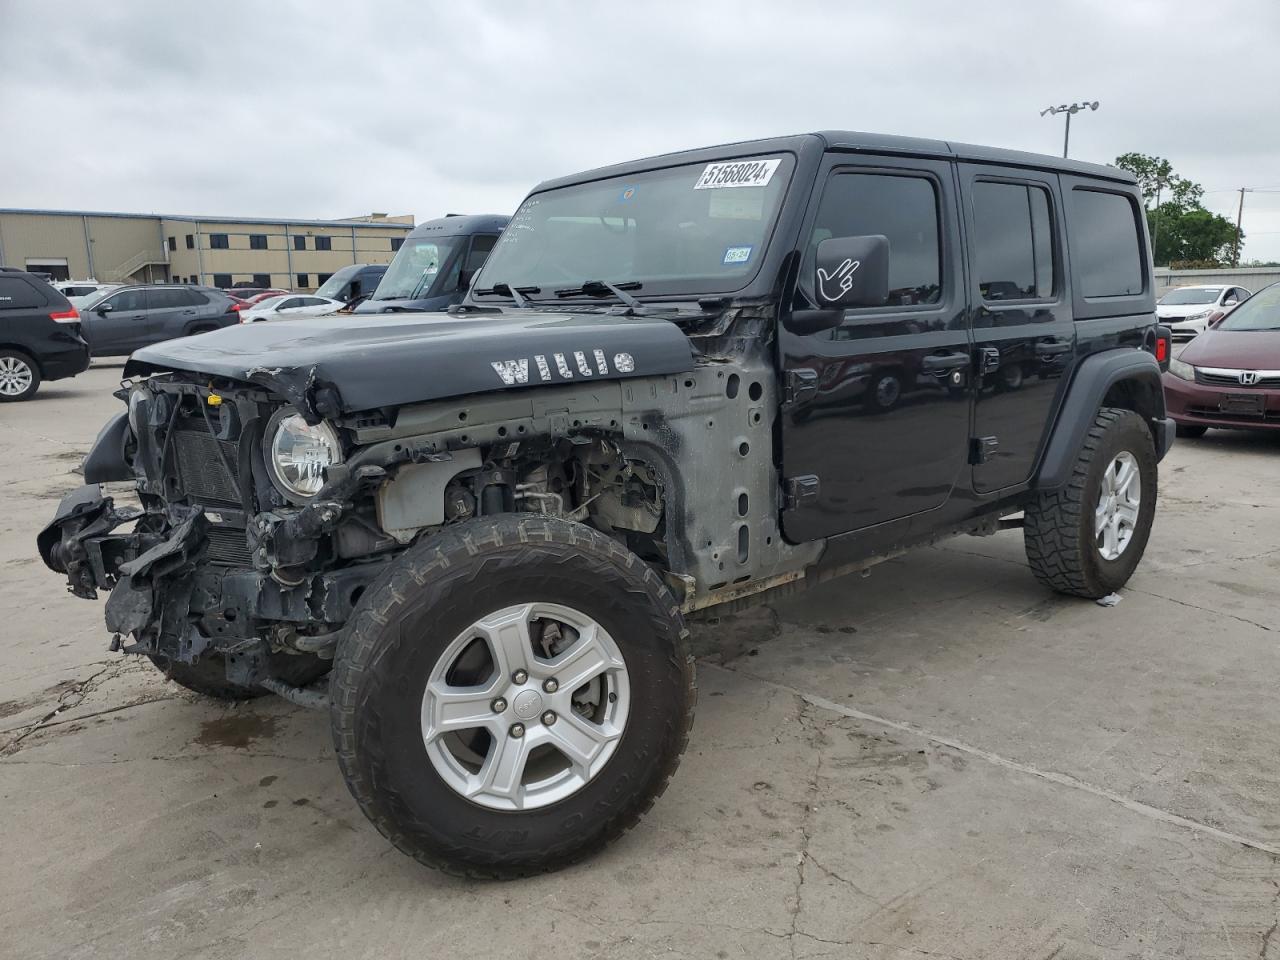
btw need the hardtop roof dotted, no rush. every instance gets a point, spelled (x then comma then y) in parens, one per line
(854, 142)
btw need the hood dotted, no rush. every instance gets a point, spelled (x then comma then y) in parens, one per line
(1235, 350)
(339, 364)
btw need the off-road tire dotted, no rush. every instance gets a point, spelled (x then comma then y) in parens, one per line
(1189, 431)
(1058, 531)
(404, 622)
(34, 367)
(208, 675)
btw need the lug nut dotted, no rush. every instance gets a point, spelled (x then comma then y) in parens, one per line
(548, 718)
(517, 730)
(498, 705)
(520, 676)
(551, 686)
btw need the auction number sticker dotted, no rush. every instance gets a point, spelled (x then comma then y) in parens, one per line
(737, 173)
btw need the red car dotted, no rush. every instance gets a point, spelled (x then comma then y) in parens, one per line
(1229, 376)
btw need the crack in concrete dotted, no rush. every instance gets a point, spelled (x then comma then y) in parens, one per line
(1196, 606)
(1061, 779)
(69, 699)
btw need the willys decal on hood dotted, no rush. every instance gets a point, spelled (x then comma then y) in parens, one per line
(343, 364)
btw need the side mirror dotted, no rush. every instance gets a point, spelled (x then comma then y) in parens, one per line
(1215, 318)
(852, 272)
(1230, 302)
(104, 309)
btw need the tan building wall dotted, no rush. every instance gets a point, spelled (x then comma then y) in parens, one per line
(137, 248)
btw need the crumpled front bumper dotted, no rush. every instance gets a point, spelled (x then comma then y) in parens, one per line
(173, 602)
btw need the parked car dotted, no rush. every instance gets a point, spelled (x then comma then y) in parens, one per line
(1188, 311)
(490, 524)
(1230, 375)
(435, 265)
(355, 282)
(118, 322)
(79, 292)
(289, 305)
(39, 336)
(264, 295)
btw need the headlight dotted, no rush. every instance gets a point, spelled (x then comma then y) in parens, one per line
(298, 453)
(1181, 370)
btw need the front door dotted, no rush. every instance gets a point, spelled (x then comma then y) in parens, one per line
(876, 423)
(122, 328)
(1023, 332)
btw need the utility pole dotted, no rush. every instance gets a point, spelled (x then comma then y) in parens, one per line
(1069, 109)
(1235, 258)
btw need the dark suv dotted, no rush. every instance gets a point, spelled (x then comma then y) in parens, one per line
(125, 318)
(676, 386)
(39, 336)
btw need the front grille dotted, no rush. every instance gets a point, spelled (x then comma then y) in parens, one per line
(228, 546)
(204, 467)
(1252, 416)
(1231, 378)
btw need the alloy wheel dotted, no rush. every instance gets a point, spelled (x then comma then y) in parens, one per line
(15, 376)
(1116, 516)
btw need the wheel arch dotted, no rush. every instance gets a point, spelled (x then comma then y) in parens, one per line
(1124, 378)
(26, 352)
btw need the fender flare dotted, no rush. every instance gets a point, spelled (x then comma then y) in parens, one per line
(1094, 378)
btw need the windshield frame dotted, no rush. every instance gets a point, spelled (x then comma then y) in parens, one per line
(775, 223)
(1267, 297)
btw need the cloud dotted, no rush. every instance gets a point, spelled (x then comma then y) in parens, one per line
(322, 109)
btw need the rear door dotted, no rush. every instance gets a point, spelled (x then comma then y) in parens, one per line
(170, 312)
(876, 421)
(1023, 332)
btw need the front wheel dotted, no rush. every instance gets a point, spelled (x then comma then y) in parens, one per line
(513, 695)
(1086, 539)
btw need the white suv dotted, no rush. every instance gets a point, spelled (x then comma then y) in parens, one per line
(79, 291)
(1188, 311)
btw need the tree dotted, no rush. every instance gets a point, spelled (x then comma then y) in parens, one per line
(1181, 228)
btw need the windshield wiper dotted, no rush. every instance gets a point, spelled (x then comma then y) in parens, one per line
(602, 288)
(506, 290)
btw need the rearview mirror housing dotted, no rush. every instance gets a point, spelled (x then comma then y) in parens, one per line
(104, 309)
(852, 272)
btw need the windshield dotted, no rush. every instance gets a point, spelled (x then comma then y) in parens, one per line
(415, 268)
(694, 229)
(1259, 312)
(1190, 295)
(268, 303)
(332, 288)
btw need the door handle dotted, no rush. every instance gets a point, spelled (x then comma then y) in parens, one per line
(940, 363)
(1052, 348)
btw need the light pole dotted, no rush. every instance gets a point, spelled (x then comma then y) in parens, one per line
(1069, 109)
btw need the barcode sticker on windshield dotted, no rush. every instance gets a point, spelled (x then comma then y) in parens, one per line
(737, 173)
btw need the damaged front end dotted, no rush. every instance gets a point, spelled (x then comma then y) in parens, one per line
(215, 561)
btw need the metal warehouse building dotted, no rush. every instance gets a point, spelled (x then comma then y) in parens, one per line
(216, 251)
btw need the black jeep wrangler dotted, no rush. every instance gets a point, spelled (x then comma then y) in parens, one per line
(677, 385)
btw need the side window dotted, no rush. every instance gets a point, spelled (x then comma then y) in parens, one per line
(165, 299)
(903, 208)
(1013, 241)
(1105, 251)
(129, 301)
(290, 303)
(193, 298)
(313, 302)
(16, 293)
(479, 253)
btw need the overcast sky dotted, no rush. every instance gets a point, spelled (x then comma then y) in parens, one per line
(318, 109)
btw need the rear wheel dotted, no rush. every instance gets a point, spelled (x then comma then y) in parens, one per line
(1190, 431)
(1087, 538)
(515, 694)
(19, 376)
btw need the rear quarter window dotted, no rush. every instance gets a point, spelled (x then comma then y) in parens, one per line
(1105, 244)
(16, 293)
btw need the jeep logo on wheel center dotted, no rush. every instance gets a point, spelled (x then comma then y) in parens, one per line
(674, 386)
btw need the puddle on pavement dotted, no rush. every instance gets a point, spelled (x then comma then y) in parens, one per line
(236, 730)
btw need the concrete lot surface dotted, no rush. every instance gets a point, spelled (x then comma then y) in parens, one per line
(941, 760)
